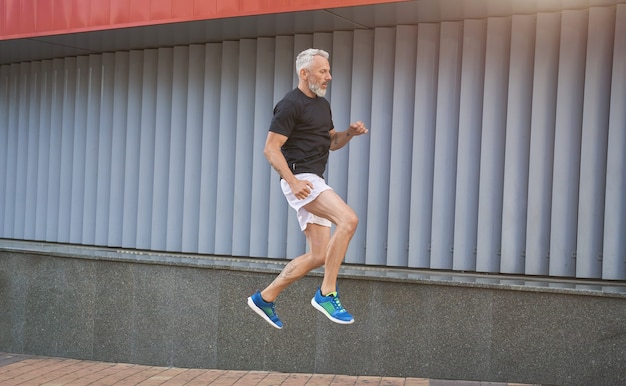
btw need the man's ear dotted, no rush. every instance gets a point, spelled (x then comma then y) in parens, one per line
(303, 73)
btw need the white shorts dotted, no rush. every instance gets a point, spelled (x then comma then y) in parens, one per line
(304, 216)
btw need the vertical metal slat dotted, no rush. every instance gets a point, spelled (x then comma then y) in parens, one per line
(162, 148)
(193, 150)
(132, 154)
(54, 166)
(244, 191)
(401, 143)
(545, 77)
(210, 147)
(489, 239)
(147, 149)
(284, 70)
(227, 147)
(597, 99)
(21, 148)
(568, 126)
(262, 174)
(79, 166)
(358, 158)
(446, 144)
(177, 143)
(614, 246)
(422, 166)
(380, 147)
(517, 144)
(119, 132)
(30, 196)
(468, 161)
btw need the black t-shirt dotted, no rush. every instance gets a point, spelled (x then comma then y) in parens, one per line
(306, 123)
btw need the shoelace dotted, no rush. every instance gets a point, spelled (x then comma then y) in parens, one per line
(271, 314)
(337, 304)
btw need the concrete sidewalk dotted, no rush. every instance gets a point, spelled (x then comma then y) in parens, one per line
(18, 369)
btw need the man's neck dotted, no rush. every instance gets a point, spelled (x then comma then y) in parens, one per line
(306, 90)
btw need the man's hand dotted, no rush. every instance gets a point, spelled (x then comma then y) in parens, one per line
(339, 140)
(301, 188)
(357, 128)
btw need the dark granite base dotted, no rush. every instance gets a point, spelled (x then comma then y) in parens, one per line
(172, 310)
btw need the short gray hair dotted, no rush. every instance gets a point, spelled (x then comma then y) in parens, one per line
(305, 58)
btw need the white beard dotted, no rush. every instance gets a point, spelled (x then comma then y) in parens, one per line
(317, 89)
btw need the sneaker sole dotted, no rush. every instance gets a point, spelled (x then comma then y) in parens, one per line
(261, 313)
(323, 311)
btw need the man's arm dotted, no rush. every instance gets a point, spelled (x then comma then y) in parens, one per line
(275, 157)
(340, 139)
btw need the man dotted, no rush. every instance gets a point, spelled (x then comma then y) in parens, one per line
(298, 142)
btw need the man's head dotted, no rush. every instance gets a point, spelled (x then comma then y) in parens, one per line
(313, 71)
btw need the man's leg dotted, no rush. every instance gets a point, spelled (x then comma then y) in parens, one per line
(318, 237)
(330, 206)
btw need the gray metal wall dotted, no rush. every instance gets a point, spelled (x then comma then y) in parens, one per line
(495, 145)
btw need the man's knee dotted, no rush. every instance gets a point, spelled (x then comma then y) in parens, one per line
(318, 259)
(349, 222)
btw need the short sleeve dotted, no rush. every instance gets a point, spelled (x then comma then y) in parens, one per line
(284, 119)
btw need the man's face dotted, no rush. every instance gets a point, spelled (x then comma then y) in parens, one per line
(318, 75)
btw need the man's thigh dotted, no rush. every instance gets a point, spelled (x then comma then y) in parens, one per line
(318, 237)
(330, 206)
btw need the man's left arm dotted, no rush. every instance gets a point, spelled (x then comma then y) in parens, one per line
(340, 139)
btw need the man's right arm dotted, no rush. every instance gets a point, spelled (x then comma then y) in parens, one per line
(277, 160)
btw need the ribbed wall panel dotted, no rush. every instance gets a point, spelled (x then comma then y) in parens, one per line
(227, 148)
(446, 144)
(495, 145)
(132, 150)
(359, 151)
(54, 148)
(262, 176)
(178, 147)
(243, 189)
(468, 161)
(5, 79)
(422, 165)
(80, 150)
(517, 144)
(210, 147)
(41, 112)
(147, 149)
(193, 150)
(68, 158)
(278, 220)
(21, 150)
(10, 150)
(164, 131)
(543, 119)
(105, 148)
(597, 94)
(488, 248)
(32, 160)
(567, 142)
(401, 144)
(36, 228)
(120, 166)
(380, 146)
(337, 173)
(614, 247)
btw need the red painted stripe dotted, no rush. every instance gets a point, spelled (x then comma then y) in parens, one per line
(29, 18)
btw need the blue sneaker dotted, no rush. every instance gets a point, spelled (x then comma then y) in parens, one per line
(331, 307)
(265, 310)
